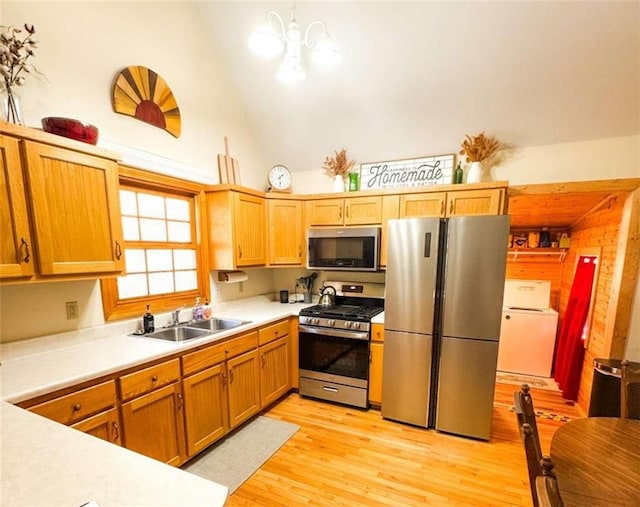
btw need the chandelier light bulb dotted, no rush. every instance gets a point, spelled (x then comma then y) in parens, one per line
(326, 52)
(265, 40)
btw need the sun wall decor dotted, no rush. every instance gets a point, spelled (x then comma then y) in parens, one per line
(143, 94)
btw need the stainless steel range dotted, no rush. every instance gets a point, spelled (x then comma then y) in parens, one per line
(334, 343)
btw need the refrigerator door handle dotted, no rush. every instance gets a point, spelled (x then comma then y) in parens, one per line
(427, 244)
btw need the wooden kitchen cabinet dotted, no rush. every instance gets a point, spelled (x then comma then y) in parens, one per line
(237, 229)
(286, 233)
(205, 407)
(105, 425)
(71, 203)
(153, 421)
(431, 204)
(347, 211)
(275, 380)
(488, 201)
(244, 387)
(91, 410)
(16, 249)
(375, 364)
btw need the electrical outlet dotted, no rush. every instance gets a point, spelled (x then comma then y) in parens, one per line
(72, 310)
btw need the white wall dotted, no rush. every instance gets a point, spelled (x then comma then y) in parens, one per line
(81, 58)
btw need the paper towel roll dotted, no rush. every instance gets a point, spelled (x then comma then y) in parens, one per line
(232, 276)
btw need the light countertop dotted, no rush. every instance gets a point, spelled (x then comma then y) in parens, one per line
(45, 463)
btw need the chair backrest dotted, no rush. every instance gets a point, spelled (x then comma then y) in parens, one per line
(547, 491)
(525, 412)
(629, 392)
(534, 457)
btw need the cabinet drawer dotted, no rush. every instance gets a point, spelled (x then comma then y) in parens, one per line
(147, 380)
(377, 333)
(76, 406)
(201, 359)
(273, 332)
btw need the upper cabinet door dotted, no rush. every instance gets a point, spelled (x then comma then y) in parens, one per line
(488, 201)
(250, 217)
(363, 210)
(325, 212)
(75, 210)
(16, 247)
(429, 204)
(286, 235)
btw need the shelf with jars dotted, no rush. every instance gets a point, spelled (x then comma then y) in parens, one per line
(538, 242)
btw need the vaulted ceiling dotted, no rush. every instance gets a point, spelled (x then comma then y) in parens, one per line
(418, 76)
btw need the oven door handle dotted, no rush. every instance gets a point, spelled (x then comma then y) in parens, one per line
(349, 335)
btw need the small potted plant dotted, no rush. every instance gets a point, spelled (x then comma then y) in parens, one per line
(16, 49)
(337, 167)
(477, 149)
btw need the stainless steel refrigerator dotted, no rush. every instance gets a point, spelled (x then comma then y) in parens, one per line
(443, 307)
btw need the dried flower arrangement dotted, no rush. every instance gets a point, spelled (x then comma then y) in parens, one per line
(338, 165)
(479, 148)
(15, 51)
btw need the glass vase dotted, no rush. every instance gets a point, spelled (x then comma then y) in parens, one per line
(10, 106)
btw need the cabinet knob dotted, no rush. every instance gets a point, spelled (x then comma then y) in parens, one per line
(77, 407)
(154, 378)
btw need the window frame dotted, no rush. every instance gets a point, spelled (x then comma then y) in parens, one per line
(142, 180)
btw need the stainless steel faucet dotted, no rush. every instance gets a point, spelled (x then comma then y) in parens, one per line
(175, 315)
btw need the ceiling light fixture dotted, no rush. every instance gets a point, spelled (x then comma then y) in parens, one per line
(269, 39)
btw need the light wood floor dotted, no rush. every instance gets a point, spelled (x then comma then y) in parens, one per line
(349, 457)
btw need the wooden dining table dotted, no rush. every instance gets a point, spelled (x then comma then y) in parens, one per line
(597, 461)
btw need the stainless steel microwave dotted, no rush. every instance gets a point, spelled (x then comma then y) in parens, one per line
(344, 248)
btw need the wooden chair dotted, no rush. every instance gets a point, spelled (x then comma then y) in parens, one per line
(629, 392)
(547, 490)
(526, 417)
(525, 413)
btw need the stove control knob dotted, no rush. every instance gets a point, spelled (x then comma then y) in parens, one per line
(356, 325)
(347, 324)
(331, 322)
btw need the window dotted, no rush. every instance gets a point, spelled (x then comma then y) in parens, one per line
(163, 256)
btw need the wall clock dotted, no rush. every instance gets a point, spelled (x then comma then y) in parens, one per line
(143, 94)
(279, 179)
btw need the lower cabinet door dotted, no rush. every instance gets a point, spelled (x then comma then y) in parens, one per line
(153, 425)
(375, 374)
(105, 425)
(244, 387)
(205, 407)
(274, 370)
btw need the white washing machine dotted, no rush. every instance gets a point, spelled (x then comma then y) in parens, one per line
(528, 330)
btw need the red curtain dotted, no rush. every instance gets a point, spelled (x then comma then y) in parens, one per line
(570, 350)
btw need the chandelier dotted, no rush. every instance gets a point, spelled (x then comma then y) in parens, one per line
(270, 38)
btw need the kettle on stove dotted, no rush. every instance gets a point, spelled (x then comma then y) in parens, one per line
(328, 296)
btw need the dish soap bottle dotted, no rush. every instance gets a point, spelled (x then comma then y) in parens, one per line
(206, 309)
(198, 311)
(458, 174)
(148, 322)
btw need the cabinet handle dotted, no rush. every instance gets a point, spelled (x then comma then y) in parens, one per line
(77, 407)
(264, 360)
(450, 207)
(224, 379)
(180, 401)
(118, 250)
(441, 207)
(239, 252)
(27, 253)
(154, 378)
(347, 211)
(230, 376)
(299, 251)
(116, 432)
(340, 212)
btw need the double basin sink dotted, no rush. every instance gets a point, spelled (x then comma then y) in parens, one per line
(199, 329)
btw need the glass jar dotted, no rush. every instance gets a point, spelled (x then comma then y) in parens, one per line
(354, 182)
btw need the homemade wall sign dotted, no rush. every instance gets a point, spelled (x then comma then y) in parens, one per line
(415, 172)
(143, 94)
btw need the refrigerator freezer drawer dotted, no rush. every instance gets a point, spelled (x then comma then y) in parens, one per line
(406, 377)
(466, 385)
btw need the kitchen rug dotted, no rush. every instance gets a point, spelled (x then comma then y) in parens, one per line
(538, 382)
(234, 459)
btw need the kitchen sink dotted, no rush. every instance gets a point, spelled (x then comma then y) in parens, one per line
(216, 325)
(178, 334)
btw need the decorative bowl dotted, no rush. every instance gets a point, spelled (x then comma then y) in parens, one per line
(73, 129)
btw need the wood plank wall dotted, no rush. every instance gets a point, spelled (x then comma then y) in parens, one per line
(597, 229)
